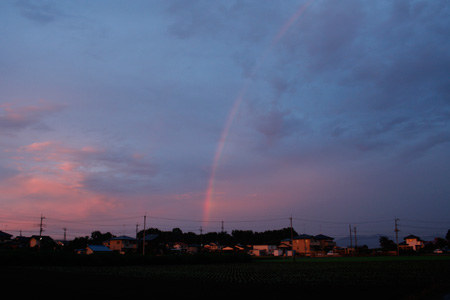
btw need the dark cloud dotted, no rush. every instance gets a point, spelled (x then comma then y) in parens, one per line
(276, 124)
(422, 147)
(117, 171)
(40, 12)
(245, 22)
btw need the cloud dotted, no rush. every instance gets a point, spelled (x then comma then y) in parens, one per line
(230, 21)
(348, 87)
(40, 12)
(59, 178)
(14, 118)
(37, 193)
(420, 148)
(89, 168)
(276, 124)
(6, 173)
(37, 146)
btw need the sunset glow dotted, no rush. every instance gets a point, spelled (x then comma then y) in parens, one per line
(239, 114)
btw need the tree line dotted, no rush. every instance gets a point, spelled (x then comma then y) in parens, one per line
(243, 237)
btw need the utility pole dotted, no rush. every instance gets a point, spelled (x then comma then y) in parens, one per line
(143, 237)
(351, 239)
(222, 226)
(40, 232)
(65, 229)
(137, 230)
(41, 227)
(201, 239)
(356, 243)
(292, 240)
(396, 235)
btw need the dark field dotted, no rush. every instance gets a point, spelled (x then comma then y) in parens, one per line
(314, 278)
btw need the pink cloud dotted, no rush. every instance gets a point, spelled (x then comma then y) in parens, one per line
(56, 151)
(65, 197)
(16, 117)
(68, 166)
(37, 146)
(92, 149)
(50, 180)
(72, 182)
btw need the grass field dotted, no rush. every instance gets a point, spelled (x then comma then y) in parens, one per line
(419, 277)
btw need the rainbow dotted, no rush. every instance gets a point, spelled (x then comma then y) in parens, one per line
(209, 194)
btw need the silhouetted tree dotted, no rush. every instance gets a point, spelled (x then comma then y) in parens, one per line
(148, 231)
(244, 237)
(97, 238)
(440, 242)
(272, 237)
(386, 244)
(78, 243)
(176, 235)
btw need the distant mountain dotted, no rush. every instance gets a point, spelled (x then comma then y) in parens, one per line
(372, 241)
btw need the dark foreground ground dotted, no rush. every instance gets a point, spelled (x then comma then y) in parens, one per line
(393, 278)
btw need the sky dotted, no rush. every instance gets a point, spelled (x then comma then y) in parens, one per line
(242, 114)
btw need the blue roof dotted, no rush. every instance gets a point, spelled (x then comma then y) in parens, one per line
(323, 237)
(99, 248)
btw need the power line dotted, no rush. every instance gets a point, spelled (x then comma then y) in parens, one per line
(421, 221)
(215, 225)
(421, 227)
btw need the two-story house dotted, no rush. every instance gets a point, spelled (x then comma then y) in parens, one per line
(411, 242)
(122, 244)
(307, 245)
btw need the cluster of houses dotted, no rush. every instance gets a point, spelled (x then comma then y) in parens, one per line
(302, 245)
(306, 245)
(35, 241)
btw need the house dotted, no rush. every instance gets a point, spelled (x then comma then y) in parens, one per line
(122, 244)
(4, 237)
(308, 245)
(93, 249)
(302, 244)
(179, 247)
(212, 247)
(278, 252)
(237, 248)
(242, 248)
(42, 241)
(152, 243)
(19, 242)
(227, 249)
(411, 242)
(194, 248)
(263, 250)
(323, 243)
(285, 247)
